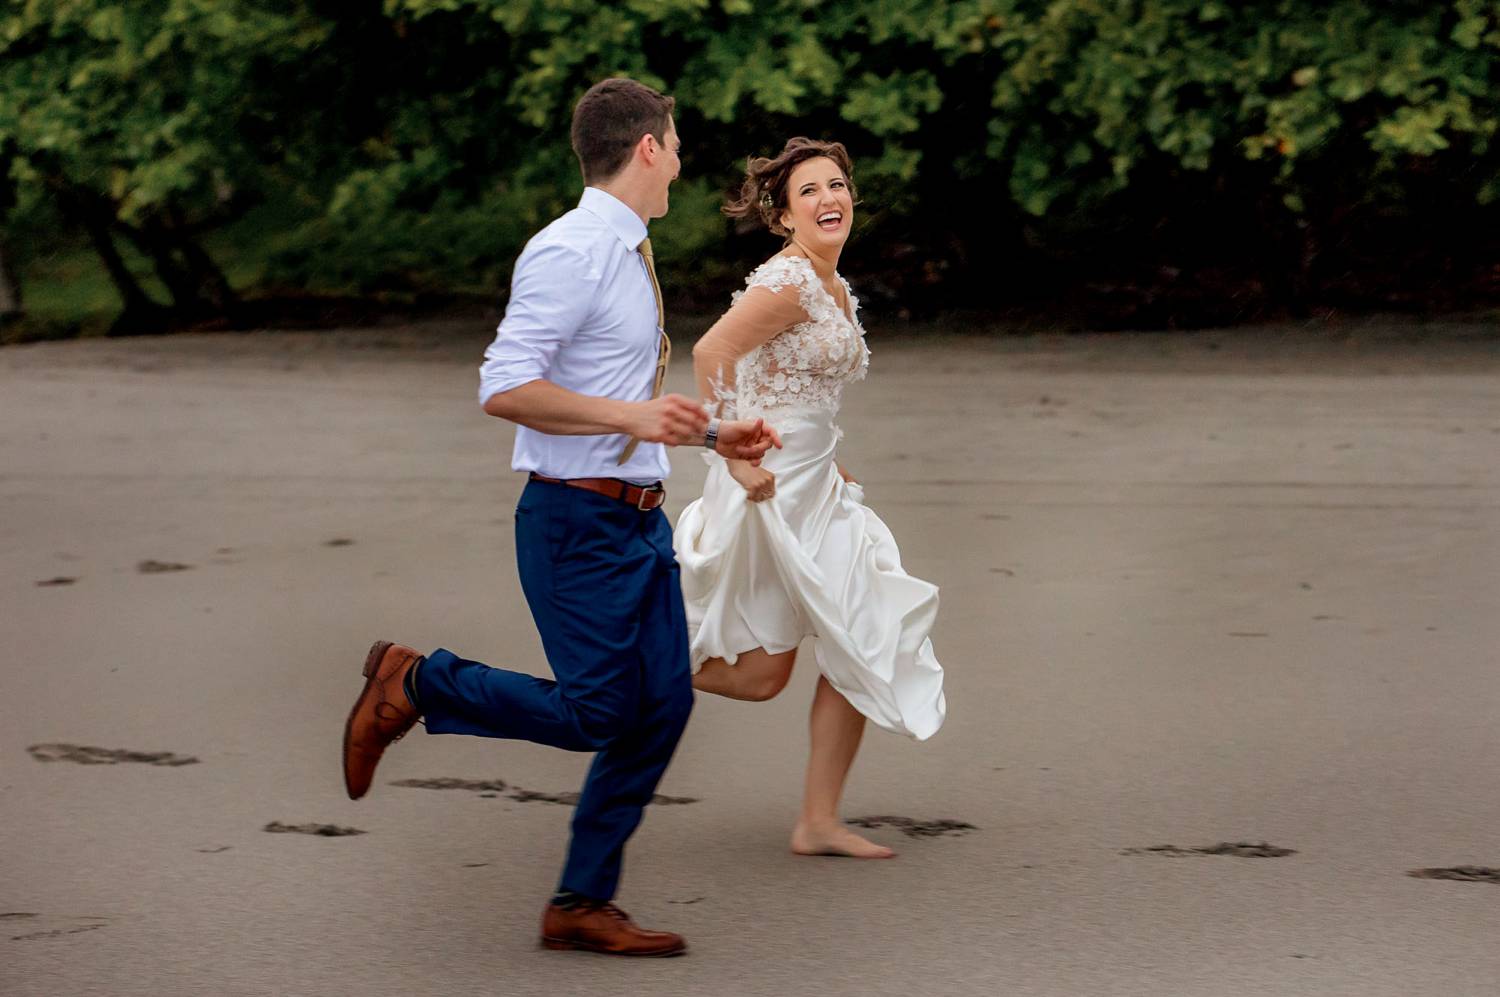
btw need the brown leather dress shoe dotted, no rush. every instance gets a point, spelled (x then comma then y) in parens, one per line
(605, 928)
(381, 714)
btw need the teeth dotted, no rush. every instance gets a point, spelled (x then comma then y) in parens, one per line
(832, 216)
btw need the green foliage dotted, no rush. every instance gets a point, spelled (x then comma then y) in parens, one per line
(394, 229)
(143, 123)
(417, 143)
(153, 103)
(972, 119)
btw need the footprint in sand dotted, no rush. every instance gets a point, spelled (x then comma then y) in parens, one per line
(571, 799)
(1238, 849)
(913, 828)
(447, 782)
(153, 567)
(53, 582)
(535, 796)
(1460, 874)
(490, 788)
(44, 926)
(84, 754)
(318, 830)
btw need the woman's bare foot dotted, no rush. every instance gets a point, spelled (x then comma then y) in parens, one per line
(835, 839)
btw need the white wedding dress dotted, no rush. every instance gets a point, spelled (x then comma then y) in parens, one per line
(813, 562)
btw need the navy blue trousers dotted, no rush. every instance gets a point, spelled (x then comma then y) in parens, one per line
(602, 583)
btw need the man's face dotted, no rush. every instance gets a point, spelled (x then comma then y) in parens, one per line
(665, 169)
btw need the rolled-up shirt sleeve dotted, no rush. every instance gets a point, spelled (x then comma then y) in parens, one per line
(552, 290)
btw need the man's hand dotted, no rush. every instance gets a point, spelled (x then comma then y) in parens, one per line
(671, 419)
(759, 484)
(745, 440)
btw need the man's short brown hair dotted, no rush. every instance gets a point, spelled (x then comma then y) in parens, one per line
(610, 119)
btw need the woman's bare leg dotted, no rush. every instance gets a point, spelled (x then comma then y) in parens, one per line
(755, 677)
(836, 728)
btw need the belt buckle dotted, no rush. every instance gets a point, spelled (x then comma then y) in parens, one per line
(640, 503)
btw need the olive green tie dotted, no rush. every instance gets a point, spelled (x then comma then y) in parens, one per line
(663, 349)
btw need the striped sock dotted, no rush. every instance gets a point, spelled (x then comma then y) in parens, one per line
(409, 685)
(568, 900)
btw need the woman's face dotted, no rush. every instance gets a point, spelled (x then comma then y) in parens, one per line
(820, 207)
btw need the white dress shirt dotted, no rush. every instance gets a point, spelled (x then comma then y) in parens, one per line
(582, 315)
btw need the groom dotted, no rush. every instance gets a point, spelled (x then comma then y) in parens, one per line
(578, 364)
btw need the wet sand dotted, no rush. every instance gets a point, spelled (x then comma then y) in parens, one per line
(1220, 623)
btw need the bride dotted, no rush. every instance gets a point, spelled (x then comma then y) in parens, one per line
(787, 552)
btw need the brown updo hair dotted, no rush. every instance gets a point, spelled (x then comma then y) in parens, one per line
(763, 195)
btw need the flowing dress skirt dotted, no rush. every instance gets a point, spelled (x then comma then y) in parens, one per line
(811, 563)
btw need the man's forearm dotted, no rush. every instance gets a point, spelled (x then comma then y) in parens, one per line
(548, 408)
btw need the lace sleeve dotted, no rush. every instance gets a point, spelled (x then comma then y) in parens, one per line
(853, 298)
(782, 274)
(773, 303)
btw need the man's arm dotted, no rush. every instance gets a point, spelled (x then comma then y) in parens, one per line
(549, 408)
(549, 300)
(671, 419)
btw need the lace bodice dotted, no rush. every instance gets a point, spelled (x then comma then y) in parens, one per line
(808, 364)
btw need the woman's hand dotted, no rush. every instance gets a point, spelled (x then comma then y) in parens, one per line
(849, 479)
(759, 483)
(746, 439)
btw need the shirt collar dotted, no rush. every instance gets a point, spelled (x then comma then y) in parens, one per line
(615, 213)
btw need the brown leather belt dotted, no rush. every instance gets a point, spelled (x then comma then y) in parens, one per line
(643, 498)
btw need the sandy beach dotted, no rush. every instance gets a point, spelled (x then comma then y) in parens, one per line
(1225, 588)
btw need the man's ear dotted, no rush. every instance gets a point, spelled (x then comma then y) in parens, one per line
(648, 148)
